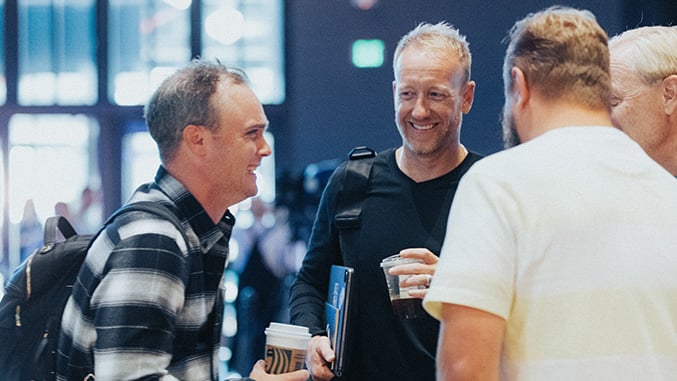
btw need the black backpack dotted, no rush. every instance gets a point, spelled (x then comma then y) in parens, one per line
(37, 292)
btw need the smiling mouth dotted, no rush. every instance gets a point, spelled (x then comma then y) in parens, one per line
(422, 127)
(251, 170)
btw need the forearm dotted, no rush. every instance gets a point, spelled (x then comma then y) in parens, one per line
(470, 344)
(307, 306)
(309, 291)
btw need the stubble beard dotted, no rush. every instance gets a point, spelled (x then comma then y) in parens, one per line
(510, 136)
(435, 144)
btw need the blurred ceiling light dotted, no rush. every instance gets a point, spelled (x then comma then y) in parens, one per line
(179, 4)
(225, 25)
(364, 5)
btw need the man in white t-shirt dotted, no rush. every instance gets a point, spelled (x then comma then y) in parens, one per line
(560, 256)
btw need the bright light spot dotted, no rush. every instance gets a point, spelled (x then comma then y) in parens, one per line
(233, 250)
(142, 160)
(225, 354)
(3, 90)
(47, 149)
(76, 87)
(37, 88)
(131, 88)
(225, 25)
(245, 219)
(263, 82)
(364, 5)
(257, 29)
(368, 53)
(230, 284)
(229, 328)
(179, 4)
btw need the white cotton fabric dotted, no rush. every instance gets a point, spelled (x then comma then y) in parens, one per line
(572, 238)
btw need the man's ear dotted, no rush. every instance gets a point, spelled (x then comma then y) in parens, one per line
(520, 87)
(395, 92)
(194, 138)
(468, 96)
(670, 95)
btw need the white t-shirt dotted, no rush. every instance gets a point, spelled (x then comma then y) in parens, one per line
(572, 238)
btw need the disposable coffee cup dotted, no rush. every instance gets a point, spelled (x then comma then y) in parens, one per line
(404, 306)
(286, 346)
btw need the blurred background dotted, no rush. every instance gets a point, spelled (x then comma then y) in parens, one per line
(74, 75)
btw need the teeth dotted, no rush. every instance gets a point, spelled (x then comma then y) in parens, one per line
(419, 127)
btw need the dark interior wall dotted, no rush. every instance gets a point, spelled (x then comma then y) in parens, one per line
(333, 106)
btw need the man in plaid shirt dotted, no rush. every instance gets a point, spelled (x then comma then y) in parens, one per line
(148, 303)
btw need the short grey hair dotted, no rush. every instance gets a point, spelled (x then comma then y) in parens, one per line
(441, 37)
(185, 98)
(655, 51)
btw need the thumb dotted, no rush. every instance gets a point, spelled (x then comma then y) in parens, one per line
(328, 353)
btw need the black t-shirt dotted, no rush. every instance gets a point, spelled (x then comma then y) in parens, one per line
(397, 213)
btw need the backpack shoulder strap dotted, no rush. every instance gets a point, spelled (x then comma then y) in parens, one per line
(356, 183)
(348, 218)
(158, 209)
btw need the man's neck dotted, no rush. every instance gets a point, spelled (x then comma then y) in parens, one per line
(427, 167)
(196, 181)
(551, 115)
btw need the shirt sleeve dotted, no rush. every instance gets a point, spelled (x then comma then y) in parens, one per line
(309, 291)
(477, 261)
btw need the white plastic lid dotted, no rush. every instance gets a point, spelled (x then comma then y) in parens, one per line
(287, 329)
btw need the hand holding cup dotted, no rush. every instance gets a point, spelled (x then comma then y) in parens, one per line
(418, 274)
(259, 373)
(408, 275)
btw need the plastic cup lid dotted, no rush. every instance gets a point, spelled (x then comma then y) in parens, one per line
(287, 329)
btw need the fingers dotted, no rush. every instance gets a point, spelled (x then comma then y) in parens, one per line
(420, 281)
(319, 357)
(320, 348)
(418, 293)
(299, 375)
(259, 373)
(427, 267)
(421, 253)
(258, 369)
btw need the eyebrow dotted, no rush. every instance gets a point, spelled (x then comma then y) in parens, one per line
(260, 126)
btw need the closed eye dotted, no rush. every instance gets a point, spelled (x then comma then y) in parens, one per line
(438, 96)
(615, 100)
(407, 95)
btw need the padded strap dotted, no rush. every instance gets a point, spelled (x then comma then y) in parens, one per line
(356, 183)
(158, 209)
(56, 224)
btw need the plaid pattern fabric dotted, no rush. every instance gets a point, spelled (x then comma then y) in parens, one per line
(147, 303)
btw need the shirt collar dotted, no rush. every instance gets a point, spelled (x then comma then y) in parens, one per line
(189, 210)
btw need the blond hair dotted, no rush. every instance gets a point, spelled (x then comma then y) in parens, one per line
(564, 55)
(440, 37)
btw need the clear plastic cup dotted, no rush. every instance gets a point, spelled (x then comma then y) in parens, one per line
(404, 306)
